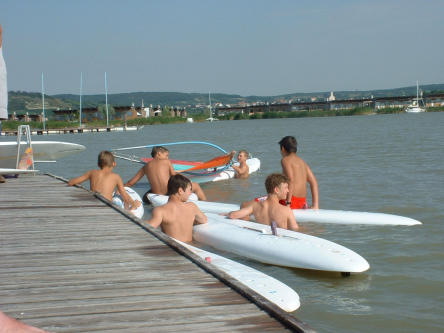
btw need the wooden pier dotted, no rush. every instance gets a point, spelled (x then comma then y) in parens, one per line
(72, 262)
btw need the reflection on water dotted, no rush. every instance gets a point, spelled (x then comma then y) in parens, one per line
(387, 163)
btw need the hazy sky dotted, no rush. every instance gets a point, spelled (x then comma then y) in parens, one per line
(243, 47)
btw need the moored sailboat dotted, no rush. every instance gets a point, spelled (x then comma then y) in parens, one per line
(415, 106)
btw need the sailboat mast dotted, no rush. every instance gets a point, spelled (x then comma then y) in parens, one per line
(43, 104)
(80, 112)
(417, 92)
(209, 99)
(106, 102)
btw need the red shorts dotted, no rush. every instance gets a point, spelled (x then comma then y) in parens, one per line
(296, 203)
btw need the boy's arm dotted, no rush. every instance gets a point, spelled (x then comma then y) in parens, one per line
(136, 177)
(128, 201)
(241, 213)
(291, 221)
(288, 171)
(199, 218)
(80, 179)
(239, 169)
(313, 187)
(157, 217)
(172, 171)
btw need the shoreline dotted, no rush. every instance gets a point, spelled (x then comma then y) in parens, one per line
(9, 127)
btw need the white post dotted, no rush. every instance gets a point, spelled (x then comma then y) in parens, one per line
(80, 114)
(43, 104)
(106, 102)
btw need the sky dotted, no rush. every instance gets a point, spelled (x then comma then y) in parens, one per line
(240, 47)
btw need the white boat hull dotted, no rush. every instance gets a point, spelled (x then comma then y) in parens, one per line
(291, 249)
(42, 151)
(5, 171)
(273, 290)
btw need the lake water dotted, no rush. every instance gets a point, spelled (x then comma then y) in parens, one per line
(381, 163)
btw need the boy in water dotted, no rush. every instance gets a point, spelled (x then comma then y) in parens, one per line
(158, 171)
(270, 209)
(242, 171)
(299, 174)
(177, 217)
(105, 180)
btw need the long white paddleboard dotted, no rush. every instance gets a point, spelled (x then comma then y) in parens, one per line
(288, 248)
(273, 290)
(305, 215)
(138, 212)
(254, 164)
(42, 151)
(6, 171)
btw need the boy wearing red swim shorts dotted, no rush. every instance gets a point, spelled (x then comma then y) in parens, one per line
(299, 174)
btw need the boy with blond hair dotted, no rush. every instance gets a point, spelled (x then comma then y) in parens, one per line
(105, 181)
(242, 171)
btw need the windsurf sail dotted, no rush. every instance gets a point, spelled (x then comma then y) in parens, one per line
(216, 162)
(219, 162)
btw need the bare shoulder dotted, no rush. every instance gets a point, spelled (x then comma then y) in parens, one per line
(191, 205)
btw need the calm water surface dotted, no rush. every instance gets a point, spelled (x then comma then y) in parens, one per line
(385, 163)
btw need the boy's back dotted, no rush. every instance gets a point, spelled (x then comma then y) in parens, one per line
(158, 171)
(104, 182)
(295, 169)
(267, 211)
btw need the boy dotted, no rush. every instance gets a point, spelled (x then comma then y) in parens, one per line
(242, 171)
(105, 181)
(177, 217)
(158, 171)
(270, 209)
(298, 173)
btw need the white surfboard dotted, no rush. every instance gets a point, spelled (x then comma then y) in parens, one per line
(306, 215)
(289, 248)
(6, 171)
(139, 211)
(273, 290)
(42, 151)
(254, 165)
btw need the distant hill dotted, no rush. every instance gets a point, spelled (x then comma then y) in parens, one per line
(20, 101)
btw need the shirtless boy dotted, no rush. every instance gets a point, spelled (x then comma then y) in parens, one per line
(299, 174)
(270, 209)
(105, 180)
(177, 217)
(242, 171)
(158, 171)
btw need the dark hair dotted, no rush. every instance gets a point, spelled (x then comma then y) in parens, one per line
(274, 180)
(176, 182)
(106, 158)
(157, 149)
(289, 143)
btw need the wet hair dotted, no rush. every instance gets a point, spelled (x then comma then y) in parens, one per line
(105, 159)
(289, 143)
(176, 182)
(243, 151)
(157, 149)
(274, 180)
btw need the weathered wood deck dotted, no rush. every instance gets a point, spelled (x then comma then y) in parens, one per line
(70, 263)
